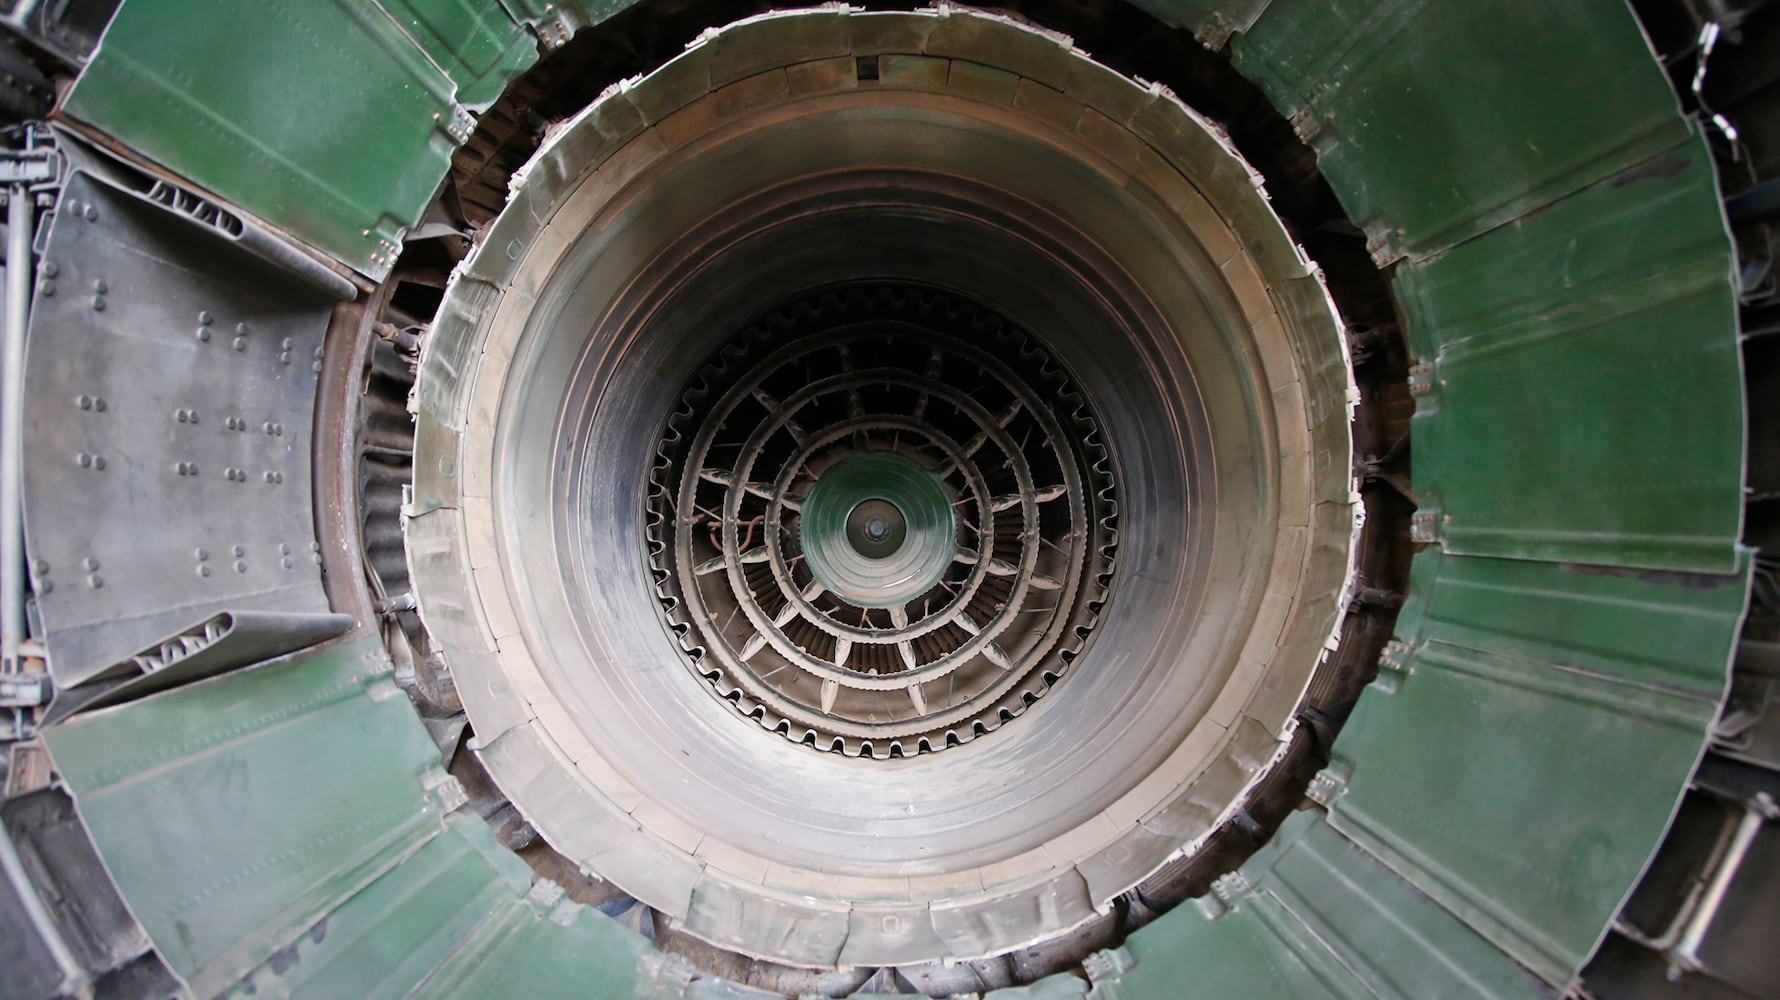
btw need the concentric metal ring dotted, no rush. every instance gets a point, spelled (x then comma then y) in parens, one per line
(878, 409)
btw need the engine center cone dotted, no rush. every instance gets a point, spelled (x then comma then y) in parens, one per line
(878, 529)
(882, 486)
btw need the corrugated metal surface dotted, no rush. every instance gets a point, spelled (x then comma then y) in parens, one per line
(1435, 122)
(1565, 275)
(333, 121)
(1566, 412)
(1313, 916)
(1529, 738)
(383, 941)
(281, 831)
(222, 811)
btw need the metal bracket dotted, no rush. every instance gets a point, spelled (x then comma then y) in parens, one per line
(1104, 967)
(23, 691)
(1424, 525)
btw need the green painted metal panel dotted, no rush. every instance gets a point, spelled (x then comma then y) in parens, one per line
(1582, 398)
(236, 812)
(1313, 915)
(520, 952)
(556, 21)
(384, 941)
(326, 119)
(475, 44)
(1529, 737)
(1437, 121)
(1211, 21)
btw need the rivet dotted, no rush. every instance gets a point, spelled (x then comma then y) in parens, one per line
(278, 477)
(268, 427)
(241, 328)
(277, 430)
(84, 402)
(284, 358)
(98, 303)
(204, 317)
(42, 567)
(203, 334)
(203, 571)
(50, 269)
(239, 551)
(287, 563)
(99, 403)
(84, 460)
(202, 554)
(45, 586)
(283, 549)
(315, 546)
(316, 558)
(100, 286)
(288, 343)
(46, 288)
(240, 343)
(316, 366)
(95, 581)
(89, 564)
(178, 415)
(98, 461)
(92, 214)
(240, 567)
(268, 476)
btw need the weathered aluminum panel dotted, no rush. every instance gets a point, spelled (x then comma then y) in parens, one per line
(1529, 737)
(235, 813)
(167, 474)
(218, 643)
(1435, 122)
(1312, 915)
(1580, 396)
(332, 121)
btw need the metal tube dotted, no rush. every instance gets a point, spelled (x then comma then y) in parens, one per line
(19, 223)
(1687, 953)
(19, 217)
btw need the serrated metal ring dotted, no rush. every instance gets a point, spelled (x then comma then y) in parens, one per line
(944, 420)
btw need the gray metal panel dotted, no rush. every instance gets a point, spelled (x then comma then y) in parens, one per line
(167, 472)
(216, 644)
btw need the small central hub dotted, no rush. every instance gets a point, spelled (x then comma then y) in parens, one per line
(877, 528)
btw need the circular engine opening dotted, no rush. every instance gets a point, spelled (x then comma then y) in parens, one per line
(973, 579)
(877, 525)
